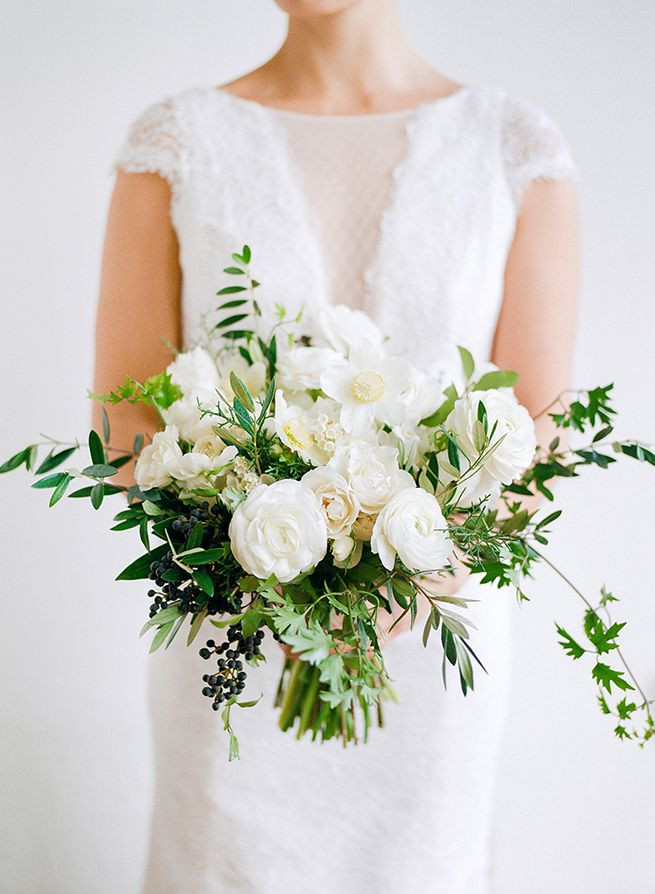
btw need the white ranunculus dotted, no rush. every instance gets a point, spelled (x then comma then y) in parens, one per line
(369, 387)
(363, 526)
(339, 503)
(514, 433)
(194, 369)
(300, 368)
(158, 460)
(278, 530)
(372, 473)
(187, 417)
(421, 397)
(341, 327)
(412, 526)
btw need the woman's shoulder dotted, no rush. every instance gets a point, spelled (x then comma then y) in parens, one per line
(529, 139)
(160, 137)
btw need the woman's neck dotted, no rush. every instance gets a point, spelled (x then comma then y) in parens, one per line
(357, 60)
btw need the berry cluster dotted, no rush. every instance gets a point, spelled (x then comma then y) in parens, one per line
(231, 677)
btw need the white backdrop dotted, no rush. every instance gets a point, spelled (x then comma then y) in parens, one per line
(574, 806)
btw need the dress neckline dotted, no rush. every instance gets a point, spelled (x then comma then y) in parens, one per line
(408, 112)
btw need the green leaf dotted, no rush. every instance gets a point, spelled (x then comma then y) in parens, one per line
(96, 449)
(468, 364)
(99, 470)
(50, 480)
(196, 624)
(453, 453)
(97, 495)
(241, 391)
(236, 302)
(234, 271)
(204, 581)
(106, 430)
(143, 531)
(606, 676)
(230, 321)
(625, 708)
(205, 557)
(60, 490)
(233, 754)
(245, 254)
(138, 443)
(195, 537)
(231, 290)
(16, 460)
(268, 398)
(86, 491)
(498, 378)
(549, 518)
(53, 460)
(160, 636)
(140, 568)
(570, 646)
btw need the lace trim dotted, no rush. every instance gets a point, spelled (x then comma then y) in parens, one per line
(533, 148)
(155, 144)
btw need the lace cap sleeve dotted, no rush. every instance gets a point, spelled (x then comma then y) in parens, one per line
(533, 148)
(155, 144)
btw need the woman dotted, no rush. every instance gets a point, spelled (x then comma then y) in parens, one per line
(358, 175)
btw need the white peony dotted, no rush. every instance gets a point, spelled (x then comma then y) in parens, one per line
(300, 368)
(514, 436)
(342, 327)
(158, 460)
(368, 387)
(194, 369)
(412, 526)
(278, 530)
(339, 503)
(372, 473)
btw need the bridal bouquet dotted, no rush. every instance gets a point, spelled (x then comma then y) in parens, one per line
(305, 483)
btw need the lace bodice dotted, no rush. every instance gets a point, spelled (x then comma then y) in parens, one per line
(409, 214)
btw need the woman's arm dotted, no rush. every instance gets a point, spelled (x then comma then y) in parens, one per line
(139, 304)
(536, 327)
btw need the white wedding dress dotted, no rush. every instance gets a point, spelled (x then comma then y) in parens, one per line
(408, 215)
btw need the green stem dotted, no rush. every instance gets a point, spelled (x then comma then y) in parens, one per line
(290, 698)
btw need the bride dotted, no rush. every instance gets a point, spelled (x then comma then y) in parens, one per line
(360, 176)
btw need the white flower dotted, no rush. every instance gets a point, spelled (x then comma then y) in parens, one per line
(342, 327)
(252, 375)
(412, 526)
(278, 530)
(339, 503)
(368, 387)
(194, 369)
(158, 460)
(300, 368)
(421, 397)
(363, 526)
(346, 551)
(514, 436)
(293, 426)
(372, 473)
(187, 417)
(325, 425)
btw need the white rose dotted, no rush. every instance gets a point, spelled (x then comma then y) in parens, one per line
(193, 369)
(278, 530)
(372, 473)
(514, 433)
(342, 327)
(158, 460)
(339, 503)
(300, 367)
(412, 526)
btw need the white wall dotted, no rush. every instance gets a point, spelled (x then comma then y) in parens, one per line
(575, 807)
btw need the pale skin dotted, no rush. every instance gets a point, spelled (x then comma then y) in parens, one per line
(340, 57)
